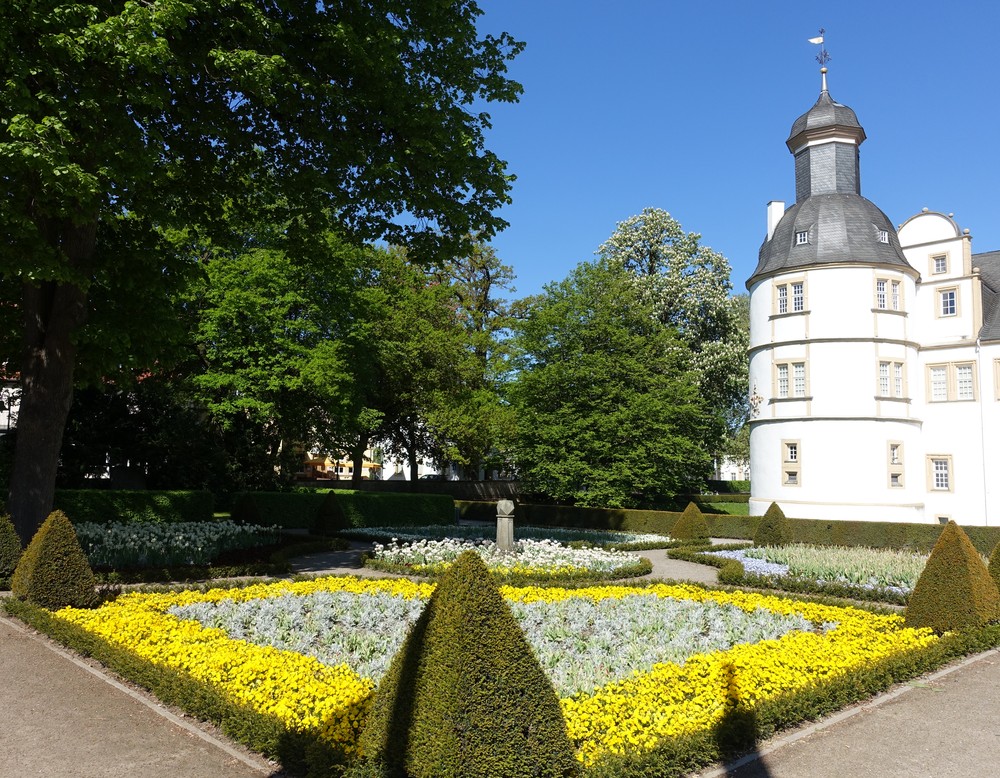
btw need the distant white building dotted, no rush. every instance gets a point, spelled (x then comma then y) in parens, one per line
(874, 354)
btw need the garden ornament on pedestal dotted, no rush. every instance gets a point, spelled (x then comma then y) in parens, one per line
(505, 525)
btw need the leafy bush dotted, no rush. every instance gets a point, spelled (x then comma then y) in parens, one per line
(773, 529)
(106, 505)
(465, 695)
(344, 508)
(729, 487)
(691, 525)
(955, 590)
(53, 571)
(10, 549)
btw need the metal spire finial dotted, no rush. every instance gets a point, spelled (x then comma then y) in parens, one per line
(824, 56)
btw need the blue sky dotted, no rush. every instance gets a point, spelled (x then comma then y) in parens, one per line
(686, 106)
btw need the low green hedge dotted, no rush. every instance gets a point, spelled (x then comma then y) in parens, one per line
(729, 487)
(289, 510)
(103, 506)
(719, 498)
(324, 511)
(345, 508)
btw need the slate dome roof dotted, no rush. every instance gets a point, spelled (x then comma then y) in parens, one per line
(826, 113)
(840, 227)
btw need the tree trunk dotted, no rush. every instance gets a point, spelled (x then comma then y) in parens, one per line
(53, 312)
(358, 457)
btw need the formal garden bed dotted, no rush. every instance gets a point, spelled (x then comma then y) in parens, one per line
(624, 694)
(644, 679)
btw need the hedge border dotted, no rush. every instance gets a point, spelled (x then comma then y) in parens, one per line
(103, 506)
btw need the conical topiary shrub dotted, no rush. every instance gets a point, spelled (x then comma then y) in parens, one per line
(955, 589)
(10, 549)
(53, 571)
(465, 695)
(691, 525)
(773, 529)
(994, 565)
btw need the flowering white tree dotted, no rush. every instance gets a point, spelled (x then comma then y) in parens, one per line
(688, 285)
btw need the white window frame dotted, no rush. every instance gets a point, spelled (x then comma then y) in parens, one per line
(940, 473)
(891, 379)
(896, 292)
(938, 264)
(949, 387)
(791, 379)
(798, 296)
(881, 297)
(802, 238)
(782, 298)
(894, 460)
(947, 302)
(883, 236)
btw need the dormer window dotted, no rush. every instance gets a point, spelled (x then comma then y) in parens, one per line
(883, 236)
(801, 238)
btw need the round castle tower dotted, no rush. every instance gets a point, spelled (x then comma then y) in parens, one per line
(832, 358)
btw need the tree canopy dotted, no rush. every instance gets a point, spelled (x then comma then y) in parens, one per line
(607, 405)
(688, 286)
(120, 122)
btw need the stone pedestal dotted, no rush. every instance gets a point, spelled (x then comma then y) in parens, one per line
(505, 525)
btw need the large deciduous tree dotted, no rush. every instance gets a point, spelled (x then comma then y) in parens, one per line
(608, 409)
(689, 288)
(119, 120)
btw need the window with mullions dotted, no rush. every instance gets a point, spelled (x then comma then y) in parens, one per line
(949, 302)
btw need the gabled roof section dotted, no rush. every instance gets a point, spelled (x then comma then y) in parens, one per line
(989, 265)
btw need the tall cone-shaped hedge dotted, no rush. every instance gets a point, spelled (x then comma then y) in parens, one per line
(994, 565)
(955, 589)
(10, 547)
(465, 695)
(691, 525)
(774, 529)
(53, 571)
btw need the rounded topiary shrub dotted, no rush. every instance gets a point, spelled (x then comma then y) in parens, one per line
(10, 547)
(955, 589)
(691, 525)
(465, 695)
(53, 571)
(773, 529)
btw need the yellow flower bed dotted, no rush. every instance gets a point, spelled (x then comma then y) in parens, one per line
(629, 715)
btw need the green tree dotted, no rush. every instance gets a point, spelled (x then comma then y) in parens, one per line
(467, 415)
(607, 408)
(120, 120)
(689, 288)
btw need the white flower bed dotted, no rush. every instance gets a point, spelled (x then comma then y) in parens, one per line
(528, 555)
(580, 643)
(888, 569)
(120, 546)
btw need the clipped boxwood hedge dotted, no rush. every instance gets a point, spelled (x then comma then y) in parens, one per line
(289, 510)
(344, 508)
(103, 506)
(325, 511)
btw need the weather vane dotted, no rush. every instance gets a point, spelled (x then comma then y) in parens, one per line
(823, 57)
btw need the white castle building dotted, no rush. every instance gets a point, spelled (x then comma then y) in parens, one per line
(874, 354)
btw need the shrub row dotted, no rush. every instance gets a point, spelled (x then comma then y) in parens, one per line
(103, 506)
(729, 487)
(324, 511)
